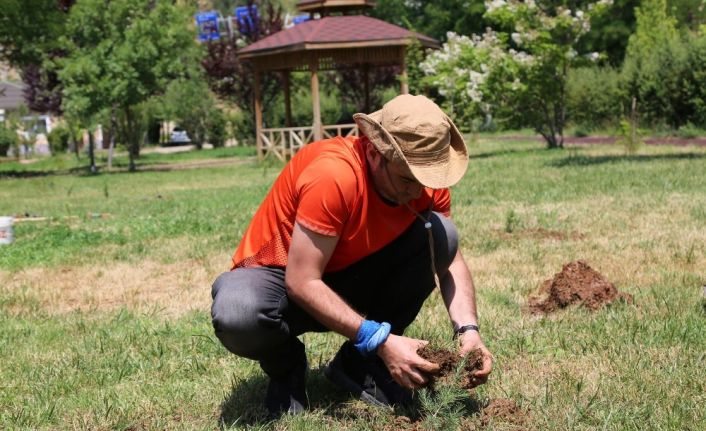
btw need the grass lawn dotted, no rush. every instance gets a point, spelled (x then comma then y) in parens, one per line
(150, 159)
(104, 303)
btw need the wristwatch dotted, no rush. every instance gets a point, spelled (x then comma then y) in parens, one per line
(465, 328)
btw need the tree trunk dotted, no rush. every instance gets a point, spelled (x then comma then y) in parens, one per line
(553, 142)
(113, 130)
(551, 131)
(77, 150)
(92, 152)
(560, 105)
(547, 128)
(133, 142)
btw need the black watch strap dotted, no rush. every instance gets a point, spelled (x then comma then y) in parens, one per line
(465, 328)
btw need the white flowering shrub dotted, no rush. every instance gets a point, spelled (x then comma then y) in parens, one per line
(467, 71)
(518, 74)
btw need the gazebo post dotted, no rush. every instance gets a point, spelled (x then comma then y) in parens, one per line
(404, 84)
(287, 99)
(314, 66)
(258, 115)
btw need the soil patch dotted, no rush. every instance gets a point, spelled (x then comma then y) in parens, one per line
(503, 410)
(448, 363)
(498, 411)
(577, 283)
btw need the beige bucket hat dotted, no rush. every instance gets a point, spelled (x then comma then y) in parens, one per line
(414, 131)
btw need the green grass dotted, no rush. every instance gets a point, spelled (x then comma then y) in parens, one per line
(523, 211)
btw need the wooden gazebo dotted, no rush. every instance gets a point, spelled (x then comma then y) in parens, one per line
(326, 43)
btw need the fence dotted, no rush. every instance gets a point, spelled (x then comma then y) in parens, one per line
(284, 142)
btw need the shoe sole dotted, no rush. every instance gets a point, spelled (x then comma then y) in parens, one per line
(341, 379)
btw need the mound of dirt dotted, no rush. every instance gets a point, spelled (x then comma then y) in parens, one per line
(577, 283)
(448, 362)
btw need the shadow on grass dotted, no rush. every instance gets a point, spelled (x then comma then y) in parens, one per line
(581, 160)
(244, 406)
(78, 171)
(25, 174)
(85, 171)
(508, 152)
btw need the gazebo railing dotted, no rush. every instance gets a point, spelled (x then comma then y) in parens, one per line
(344, 130)
(284, 142)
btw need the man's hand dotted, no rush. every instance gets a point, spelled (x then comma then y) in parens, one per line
(471, 341)
(406, 366)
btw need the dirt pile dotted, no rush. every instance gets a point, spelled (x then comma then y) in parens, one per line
(448, 363)
(577, 283)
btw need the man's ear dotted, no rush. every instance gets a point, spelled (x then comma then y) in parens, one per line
(372, 153)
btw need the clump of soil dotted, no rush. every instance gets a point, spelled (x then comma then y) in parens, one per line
(503, 410)
(576, 283)
(448, 362)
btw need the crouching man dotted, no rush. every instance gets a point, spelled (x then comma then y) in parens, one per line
(353, 237)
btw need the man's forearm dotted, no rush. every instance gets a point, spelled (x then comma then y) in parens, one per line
(317, 299)
(460, 298)
(459, 294)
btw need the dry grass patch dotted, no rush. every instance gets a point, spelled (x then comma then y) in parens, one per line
(171, 289)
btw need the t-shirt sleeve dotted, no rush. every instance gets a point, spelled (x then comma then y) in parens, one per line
(326, 191)
(442, 202)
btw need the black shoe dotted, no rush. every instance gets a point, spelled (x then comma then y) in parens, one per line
(287, 394)
(366, 378)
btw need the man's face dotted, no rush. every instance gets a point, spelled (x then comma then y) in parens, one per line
(397, 184)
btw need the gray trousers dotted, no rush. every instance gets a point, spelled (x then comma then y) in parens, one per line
(253, 317)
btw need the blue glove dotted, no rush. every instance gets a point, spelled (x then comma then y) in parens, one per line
(370, 336)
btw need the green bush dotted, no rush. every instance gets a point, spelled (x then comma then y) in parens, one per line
(216, 131)
(59, 138)
(689, 131)
(581, 131)
(8, 139)
(594, 98)
(629, 136)
(243, 128)
(695, 77)
(665, 69)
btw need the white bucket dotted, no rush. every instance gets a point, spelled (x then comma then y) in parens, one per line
(6, 236)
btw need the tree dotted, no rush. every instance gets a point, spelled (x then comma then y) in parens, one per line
(610, 31)
(351, 85)
(29, 37)
(434, 18)
(688, 13)
(664, 67)
(120, 53)
(232, 79)
(191, 105)
(517, 74)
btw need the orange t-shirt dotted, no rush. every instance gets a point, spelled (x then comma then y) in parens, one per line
(326, 188)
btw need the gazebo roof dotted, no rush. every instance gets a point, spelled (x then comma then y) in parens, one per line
(335, 32)
(324, 6)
